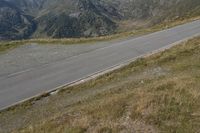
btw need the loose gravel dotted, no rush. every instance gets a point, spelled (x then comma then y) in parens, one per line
(34, 55)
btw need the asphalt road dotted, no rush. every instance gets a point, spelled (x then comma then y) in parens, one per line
(28, 83)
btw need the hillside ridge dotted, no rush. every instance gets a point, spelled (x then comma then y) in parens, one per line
(22, 19)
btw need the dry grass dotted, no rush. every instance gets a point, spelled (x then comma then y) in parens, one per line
(159, 93)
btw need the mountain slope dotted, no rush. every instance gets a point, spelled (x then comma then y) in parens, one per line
(14, 24)
(66, 18)
(81, 18)
(154, 9)
(77, 18)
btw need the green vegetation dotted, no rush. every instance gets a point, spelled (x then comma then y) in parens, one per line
(159, 93)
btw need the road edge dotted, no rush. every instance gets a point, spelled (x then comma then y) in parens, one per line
(95, 75)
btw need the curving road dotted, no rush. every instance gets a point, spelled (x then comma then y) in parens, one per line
(28, 83)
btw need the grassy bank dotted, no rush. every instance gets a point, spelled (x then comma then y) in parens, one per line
(6, 45)
(159, 93)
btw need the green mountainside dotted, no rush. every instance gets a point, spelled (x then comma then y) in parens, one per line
(84, 18)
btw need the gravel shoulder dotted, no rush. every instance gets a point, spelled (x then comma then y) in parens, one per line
(34, 55)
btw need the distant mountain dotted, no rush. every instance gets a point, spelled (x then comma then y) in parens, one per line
(14, 24)
(73, 18)
(76, 18)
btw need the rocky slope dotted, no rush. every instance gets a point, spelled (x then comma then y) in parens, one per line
(76, 18)
(14, 24)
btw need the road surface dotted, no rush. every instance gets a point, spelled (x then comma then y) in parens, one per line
(28, 83)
